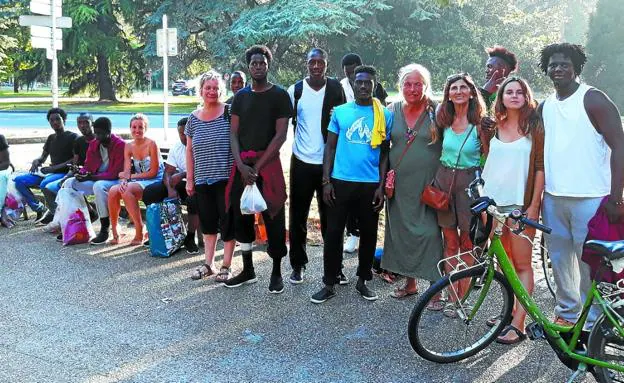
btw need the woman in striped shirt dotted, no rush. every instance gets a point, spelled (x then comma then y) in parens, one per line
(209, 162)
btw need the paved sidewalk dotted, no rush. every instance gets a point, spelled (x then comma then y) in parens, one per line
(108, 314)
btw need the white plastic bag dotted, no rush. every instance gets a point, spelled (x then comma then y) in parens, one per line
(252, 201)
(68, 201)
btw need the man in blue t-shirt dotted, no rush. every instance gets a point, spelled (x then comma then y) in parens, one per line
(354, 169)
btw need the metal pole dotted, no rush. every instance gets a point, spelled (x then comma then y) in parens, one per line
(54, 79)
(166, 78)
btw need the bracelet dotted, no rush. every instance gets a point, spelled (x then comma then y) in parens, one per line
(325, 182)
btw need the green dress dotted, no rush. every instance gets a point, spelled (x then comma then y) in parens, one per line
(413, 240)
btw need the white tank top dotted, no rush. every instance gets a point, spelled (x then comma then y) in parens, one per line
(506, 171)
(576, 156)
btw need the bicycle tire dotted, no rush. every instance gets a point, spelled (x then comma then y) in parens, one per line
(603, 341)
(499, 293)
(547, 267)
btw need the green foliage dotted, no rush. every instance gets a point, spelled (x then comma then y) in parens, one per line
(605, 49)
(100, 55)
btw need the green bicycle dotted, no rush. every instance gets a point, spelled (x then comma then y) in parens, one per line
(488, 296)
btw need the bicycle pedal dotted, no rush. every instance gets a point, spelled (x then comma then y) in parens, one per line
(535, 331)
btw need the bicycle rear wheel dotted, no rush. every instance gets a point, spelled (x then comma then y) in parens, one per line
(439, 337)
(606, 344)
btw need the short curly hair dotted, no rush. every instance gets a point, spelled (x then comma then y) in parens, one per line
(574, 52)
(258, 49)
(504, 54)
(58, 111)
(366, 69)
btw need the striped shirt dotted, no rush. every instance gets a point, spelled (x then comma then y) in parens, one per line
(212, 155)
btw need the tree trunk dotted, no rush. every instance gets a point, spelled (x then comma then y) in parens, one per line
(105, 82)
(15, 76)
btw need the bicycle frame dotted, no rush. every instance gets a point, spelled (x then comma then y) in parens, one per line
(553, 331)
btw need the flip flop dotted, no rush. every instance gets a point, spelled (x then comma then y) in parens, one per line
(401, 292)
(450, 310)
(506, 330)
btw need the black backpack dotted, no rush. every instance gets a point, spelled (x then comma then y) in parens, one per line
(334, 96)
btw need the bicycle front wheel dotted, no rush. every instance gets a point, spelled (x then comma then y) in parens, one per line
(605, 343)
(455, 333)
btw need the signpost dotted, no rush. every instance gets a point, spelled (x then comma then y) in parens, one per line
(45, 33)
(166, 45)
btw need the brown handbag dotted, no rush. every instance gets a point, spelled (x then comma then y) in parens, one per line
(391, 175)
(439, 199)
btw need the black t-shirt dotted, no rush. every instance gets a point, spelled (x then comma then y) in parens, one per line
(257, 113)
(80, 148)
(60, 147)
(4, 145)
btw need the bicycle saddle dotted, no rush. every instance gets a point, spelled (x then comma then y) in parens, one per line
(612, 250)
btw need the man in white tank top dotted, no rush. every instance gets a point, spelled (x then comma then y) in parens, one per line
(584, 162)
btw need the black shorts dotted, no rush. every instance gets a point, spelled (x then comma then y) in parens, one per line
(212, 213)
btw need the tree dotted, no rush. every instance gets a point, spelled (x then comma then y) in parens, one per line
(606, 53)
(101, 53)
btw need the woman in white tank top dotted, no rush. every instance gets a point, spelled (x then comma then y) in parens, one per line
(514, 178)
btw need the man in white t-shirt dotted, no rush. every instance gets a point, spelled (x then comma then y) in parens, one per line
(583, 163)
(313, 99)
(174, 185)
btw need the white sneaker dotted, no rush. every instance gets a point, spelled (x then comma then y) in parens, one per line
(351, 244)
(52, 227)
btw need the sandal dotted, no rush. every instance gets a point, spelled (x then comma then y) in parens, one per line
(203, 271)
(437, 305)
(506, 330)
(401, 292)
(563, 322)
(388, 277)
(450, 310)
(493, 321)
(224, 274)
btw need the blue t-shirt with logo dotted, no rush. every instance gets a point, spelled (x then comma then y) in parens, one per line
(356, 160)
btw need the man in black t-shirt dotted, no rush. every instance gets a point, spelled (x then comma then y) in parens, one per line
(59, 146)
(79, 150)
(260, 116)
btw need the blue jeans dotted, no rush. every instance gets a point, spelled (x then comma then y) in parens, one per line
(24, 182)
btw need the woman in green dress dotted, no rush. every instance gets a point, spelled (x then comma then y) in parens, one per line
(413, 242)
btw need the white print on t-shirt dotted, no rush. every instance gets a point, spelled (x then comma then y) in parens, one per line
(362, 132)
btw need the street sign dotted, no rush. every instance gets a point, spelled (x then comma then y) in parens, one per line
(43, 7)
(37, 31)
(45, 42)
(171, 41)
(44, 21)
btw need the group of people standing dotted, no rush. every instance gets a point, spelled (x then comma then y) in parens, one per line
(558, 158)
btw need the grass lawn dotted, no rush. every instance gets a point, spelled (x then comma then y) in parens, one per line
(6, 93)
(78, 106)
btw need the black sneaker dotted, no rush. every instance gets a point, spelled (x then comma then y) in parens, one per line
(366, 293)
(190, 246)
(324, 294)
(146, 243)
(244, 278)
(101, 238)
(296, 277)
(342, 279)
(41, 215)
(59, 238)
(276, 286)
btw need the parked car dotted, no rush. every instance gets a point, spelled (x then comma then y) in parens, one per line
(182, 87)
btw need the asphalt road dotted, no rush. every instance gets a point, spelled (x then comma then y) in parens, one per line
(108, 314)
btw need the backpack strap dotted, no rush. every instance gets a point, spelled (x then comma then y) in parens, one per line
(298, 93)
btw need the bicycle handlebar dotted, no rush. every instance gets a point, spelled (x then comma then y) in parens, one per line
(535, 225)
